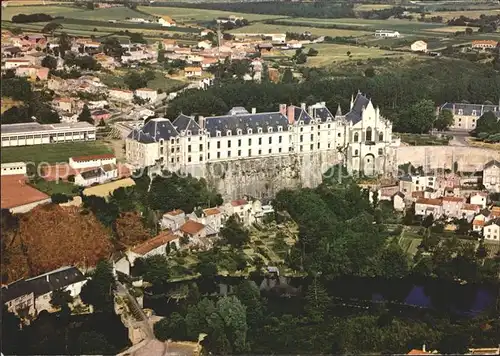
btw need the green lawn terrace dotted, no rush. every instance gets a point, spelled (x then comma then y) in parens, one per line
(269, 246)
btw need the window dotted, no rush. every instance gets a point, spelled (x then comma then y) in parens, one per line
(355, 152)
(473, 112)
(249, 142)
(339, 135)
(381, 136)
(239, 153)
(218, 154)
(217, 134)
(172, 160)
(172, 150)
(229, 144)
(260, 152)
(356, 137)
(178, 159)
(239, 143)
(189, 139)
(239, 132)
(218, 144)
(269, 129)
(312, 137)
(178, 149)
(301, 138)
(201, 147)
(208, 145)
(249, 153)
(201, 158)
(260, 140)
(318, 145)
(189, 133)
(312, 147)
(201, 138)
(189, 158)
(328, 145)
(249, 131)
(189, 148)
(380, 151)
(259, 130)
(369, 134)
(279, 150)
(208, 155)
(290, 149)
(280, 139)
(328, 126)
(460, 112)
(229, 153)
(280, 128)
(301, 148)
(161, 150)
(172, 141)
(270, 151)
(301, 129)
(270, 140)
(229, 133)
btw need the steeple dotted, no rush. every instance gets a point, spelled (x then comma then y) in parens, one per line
(339, 111)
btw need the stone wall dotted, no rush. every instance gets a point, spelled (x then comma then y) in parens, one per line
(469, 159)
(264, 177)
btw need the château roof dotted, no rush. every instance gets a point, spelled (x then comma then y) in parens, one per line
(355, 114)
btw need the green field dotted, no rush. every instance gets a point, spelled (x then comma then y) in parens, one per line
(66, 11)
(55, 187)
(53, 153)
(193, 15)
(115, 80)
(271, 28)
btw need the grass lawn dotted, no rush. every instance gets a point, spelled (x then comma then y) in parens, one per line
(54, 187)
(423, 140)
(115, 80)
(271, 28)
(448, 15)
(370, 7)
(193, 15)
(53, 153)
(330, 53)
(66, 11)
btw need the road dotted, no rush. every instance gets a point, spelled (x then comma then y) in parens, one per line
(459, 137)
(137, 312)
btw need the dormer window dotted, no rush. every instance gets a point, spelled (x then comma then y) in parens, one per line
(229, 132)
(188, 132)
(239, 132)
(269, 129)
(280, 128)
(249, 131)
(259, 130)
(217, 133)
(460, 112)
(301, 123)
(474, 113)
(172, 141)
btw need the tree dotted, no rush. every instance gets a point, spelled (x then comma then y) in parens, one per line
(135, 80)
(488, 123)
(64, 44)
(370, 72)
(93, 343)
(430, 242)
(172, 327)
(17, 89)
(234, 233)
(428, 221)
(444, 120)
(85, 115)
(49, 62)
(312, 52)
(90, 5)
(317, 301)
(60, 299)
(348, 53)
(249, 294)
(454, 343)
(394, 262)
(288, 77)
(207, 269)
(469, 31)
(51, 27)
(418, 118)
(16, 31)
(10, 331)
(59, 198)
(112, 47)
(98, 291)
(130, 229)
(233, 314)
(155, 270)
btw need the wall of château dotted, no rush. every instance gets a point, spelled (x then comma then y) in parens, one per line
(432, 157)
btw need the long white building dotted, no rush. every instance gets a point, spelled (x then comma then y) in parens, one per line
(27, 134)
(362, 136)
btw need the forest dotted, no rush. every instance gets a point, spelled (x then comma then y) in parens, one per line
(432, 83)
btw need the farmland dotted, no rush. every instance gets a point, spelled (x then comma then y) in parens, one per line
(52, 153)
(448, 15)
(66, 11)
(188, 15)
(271, 28)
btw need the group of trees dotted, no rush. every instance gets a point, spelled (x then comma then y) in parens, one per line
(23, 18)
(486, 23)
(398, 101)
(488, 128)
(135, 79)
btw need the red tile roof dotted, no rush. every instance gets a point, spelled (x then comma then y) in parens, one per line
(417, 194)
(453, 199)
(93, 157)
(149, 245)
(174, 212)
(473, 207)
(478, 222)
(417, 352)
(192, 227)
(16, 192)
(426, 201)
(211, 211)
(238, 202)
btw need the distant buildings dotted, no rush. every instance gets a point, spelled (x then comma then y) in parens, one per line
(484, 44)
(491, 176)
(419, 46)
(387, 34)
(166, 21)
(466, 115)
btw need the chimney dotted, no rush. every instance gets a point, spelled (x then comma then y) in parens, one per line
(310, 111)
(323, 103)
(423, 348)
(283, 109)
(201, 122)
(254, 110)
(303, 106)
(291, 114)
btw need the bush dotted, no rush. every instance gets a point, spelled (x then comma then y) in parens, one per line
(59, 198)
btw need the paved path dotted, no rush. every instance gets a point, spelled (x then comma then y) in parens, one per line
(459, 138)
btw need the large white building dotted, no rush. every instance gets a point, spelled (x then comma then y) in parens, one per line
(27, 134)
(362, 135)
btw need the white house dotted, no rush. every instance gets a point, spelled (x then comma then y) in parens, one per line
(147, 94)
(16, 62)
(121, 95)
(193, 72)
(419, 46)
(469, 211)
(33, 295)
(241, 208)
(398, 201)
(166, 21)
(491, 176)
(13, 168)
(491, 230)
(387, 33)
(479, 198)
(90, 177)
(91, 161)
(173, 220)
(424, 207)
(204, 44)
(479, 221)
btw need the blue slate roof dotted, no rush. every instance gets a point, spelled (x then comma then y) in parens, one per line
(471, 109)
(355, 115)
(154, 130)
(240, 119)
(186, 123)
(302, 115)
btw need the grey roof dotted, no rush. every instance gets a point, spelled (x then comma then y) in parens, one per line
(43, 284)
(301, 115)
(493, 221)
(471, 109)
(354, 115)
(245, 121)
(93, 173)
(406, 178)
(34, 126)
(186, 123)
(323, 113)
(492, 163)
(154, 130)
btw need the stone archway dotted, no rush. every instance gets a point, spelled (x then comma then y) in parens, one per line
(369, 165)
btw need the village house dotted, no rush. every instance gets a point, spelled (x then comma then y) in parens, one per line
(491, 230)
(241, 208)
(414, 183)
(121, 95)
(97, 175)
(173, 220)
(479, 198)
(13, 63)
(147, 94)
(100, 115)
(14, 168)
(491, 176)
(469, 211)
(105, 61)
(208, 62)
(452, 206)
(33, 72)
(419, 46)
(166, 21)
(480, 220)
(168, 44)
(65, 104)
(28, 297)
(193, 72)
(484, 44)
(424, 207)
(398, 201)
(465, 115)
(192, 229)
(91, 161)
(204, 44)
(387, 34)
